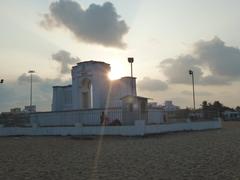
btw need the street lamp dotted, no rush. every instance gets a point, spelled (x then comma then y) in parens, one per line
(192, 74)
(31, 72)
(130, 60)
(1, 81)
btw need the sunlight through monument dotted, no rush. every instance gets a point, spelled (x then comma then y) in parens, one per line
(92, 88)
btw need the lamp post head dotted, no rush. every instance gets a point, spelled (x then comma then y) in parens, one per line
(190, 72)
(130, 59)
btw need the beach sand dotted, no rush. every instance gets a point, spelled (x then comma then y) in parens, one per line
(213, 154)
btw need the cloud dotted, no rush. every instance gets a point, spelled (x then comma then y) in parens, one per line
(16, 93)
(212, 61)
(97, 24)
(216, 80)
(176, 70)
(26, 78)
(149, 84)
(65, 59)
(198, 93)
(222, 60)
(44, 85)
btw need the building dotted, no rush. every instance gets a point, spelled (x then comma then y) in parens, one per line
(134, 107)
(91, 88)
(15, 110)
(169, 106)
(231, 115)
(30, 109)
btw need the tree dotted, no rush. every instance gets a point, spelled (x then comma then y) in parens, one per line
(217, 105)
(204, 105)
(237, 108)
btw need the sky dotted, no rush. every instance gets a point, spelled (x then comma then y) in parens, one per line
(166, 39)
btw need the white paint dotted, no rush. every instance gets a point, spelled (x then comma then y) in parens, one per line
(138, 129)
(185, 126)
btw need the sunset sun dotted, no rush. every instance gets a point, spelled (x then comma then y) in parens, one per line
(117, 70)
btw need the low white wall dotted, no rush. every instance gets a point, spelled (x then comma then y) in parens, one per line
(139, 129)
(184, 126)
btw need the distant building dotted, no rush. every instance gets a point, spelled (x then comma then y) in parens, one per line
(15, 110)
(92, 88)
(169, 106)
(30, 109)
(153, 105)
(231, 115)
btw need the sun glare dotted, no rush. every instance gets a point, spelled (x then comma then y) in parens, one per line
(117, 71)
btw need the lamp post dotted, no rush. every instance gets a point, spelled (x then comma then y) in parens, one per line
(192, 74)
(31, 72)
(130, 60)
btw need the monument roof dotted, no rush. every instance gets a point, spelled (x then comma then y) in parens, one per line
(92, 62)
(137, 97)
(62, 86)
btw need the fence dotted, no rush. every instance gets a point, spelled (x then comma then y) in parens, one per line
(155, 116)
(89, 117)
(14, 119)
(184, 115)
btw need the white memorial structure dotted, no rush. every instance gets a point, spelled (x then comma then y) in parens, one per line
(95, 105)
(91, 88)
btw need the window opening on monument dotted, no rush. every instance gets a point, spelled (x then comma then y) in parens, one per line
(86, 99)
(85, 96)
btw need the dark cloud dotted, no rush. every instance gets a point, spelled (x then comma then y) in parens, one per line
(65, 59)
(221, 63)
(149, 84)
(26, 78)
(96, 24)
(177, 69)
(222, 60)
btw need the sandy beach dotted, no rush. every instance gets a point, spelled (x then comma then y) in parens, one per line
(211, 154)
